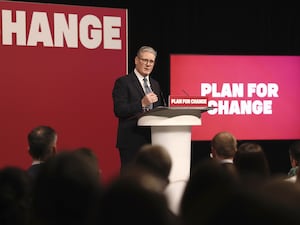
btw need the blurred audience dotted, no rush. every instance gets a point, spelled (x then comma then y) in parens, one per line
(156, 159)
(65, 187)
(213, 197)
(135, 198)
(251, 162)
(281, 201)
(15, 196)
(67, 191)
(91, 157)
(207, 192)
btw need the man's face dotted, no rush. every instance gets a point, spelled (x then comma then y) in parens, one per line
(144, 63)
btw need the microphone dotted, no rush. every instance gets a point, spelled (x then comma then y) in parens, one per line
(163, 99)
(187, 94)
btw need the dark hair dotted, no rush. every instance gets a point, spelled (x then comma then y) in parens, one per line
(15, 196)
(66, 191)
(250, 159)
(156, 159)
(90, 156)
(41, 140)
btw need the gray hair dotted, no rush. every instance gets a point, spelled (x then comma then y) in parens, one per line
(146, 49)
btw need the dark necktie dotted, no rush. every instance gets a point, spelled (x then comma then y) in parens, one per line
(147, 90)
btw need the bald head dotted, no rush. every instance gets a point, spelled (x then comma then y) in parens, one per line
(224, 145)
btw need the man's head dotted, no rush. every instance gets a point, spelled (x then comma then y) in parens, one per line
(42, 142)
(155, 158)
(153, 164)
(223, 145)
(145, 60)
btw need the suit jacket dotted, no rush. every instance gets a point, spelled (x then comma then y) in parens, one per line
(33, 170)
(127, 94)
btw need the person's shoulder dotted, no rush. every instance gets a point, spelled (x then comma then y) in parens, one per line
(33, 170)
(126, 76)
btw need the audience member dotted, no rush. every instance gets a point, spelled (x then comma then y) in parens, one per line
(15, 196)
(42, 145)
(212, 197)
(281, 200)
(251, 162)
(135, 198)
(223, 149)
(91, 157)
(208, 190)
(156, 159)
(294, 153)
(67, 191)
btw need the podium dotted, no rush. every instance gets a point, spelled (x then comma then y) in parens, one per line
(171, 128)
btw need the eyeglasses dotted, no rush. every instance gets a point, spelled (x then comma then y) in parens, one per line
(147, 61)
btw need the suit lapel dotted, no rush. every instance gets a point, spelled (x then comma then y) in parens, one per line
(136, 83)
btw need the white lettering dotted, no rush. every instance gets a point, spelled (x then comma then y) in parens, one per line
(205, 89)
(67, 30)
(242, 107)
(39, 30)
(227, 90)
(90, 39)
(262, 90)
(198, 101)
(112, 32)
(9, 28)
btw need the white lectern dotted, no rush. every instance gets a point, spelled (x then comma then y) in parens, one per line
(171, 128)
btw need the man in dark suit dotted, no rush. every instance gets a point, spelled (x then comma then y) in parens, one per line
(42, 145)
(131, 99)
(223, 149)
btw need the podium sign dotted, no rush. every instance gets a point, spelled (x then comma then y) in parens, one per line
(187, 101)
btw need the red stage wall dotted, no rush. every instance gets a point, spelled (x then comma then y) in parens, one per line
(58, 66)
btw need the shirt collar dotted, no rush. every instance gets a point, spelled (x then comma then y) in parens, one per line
(226, 161)
(35, 162)
(139, 76)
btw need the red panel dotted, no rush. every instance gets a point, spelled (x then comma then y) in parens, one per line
(257, 97)
(66, 87)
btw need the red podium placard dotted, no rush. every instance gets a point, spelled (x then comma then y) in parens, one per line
(187, 101)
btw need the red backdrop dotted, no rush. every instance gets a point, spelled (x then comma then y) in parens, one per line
(257, 97)
(64, 81)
